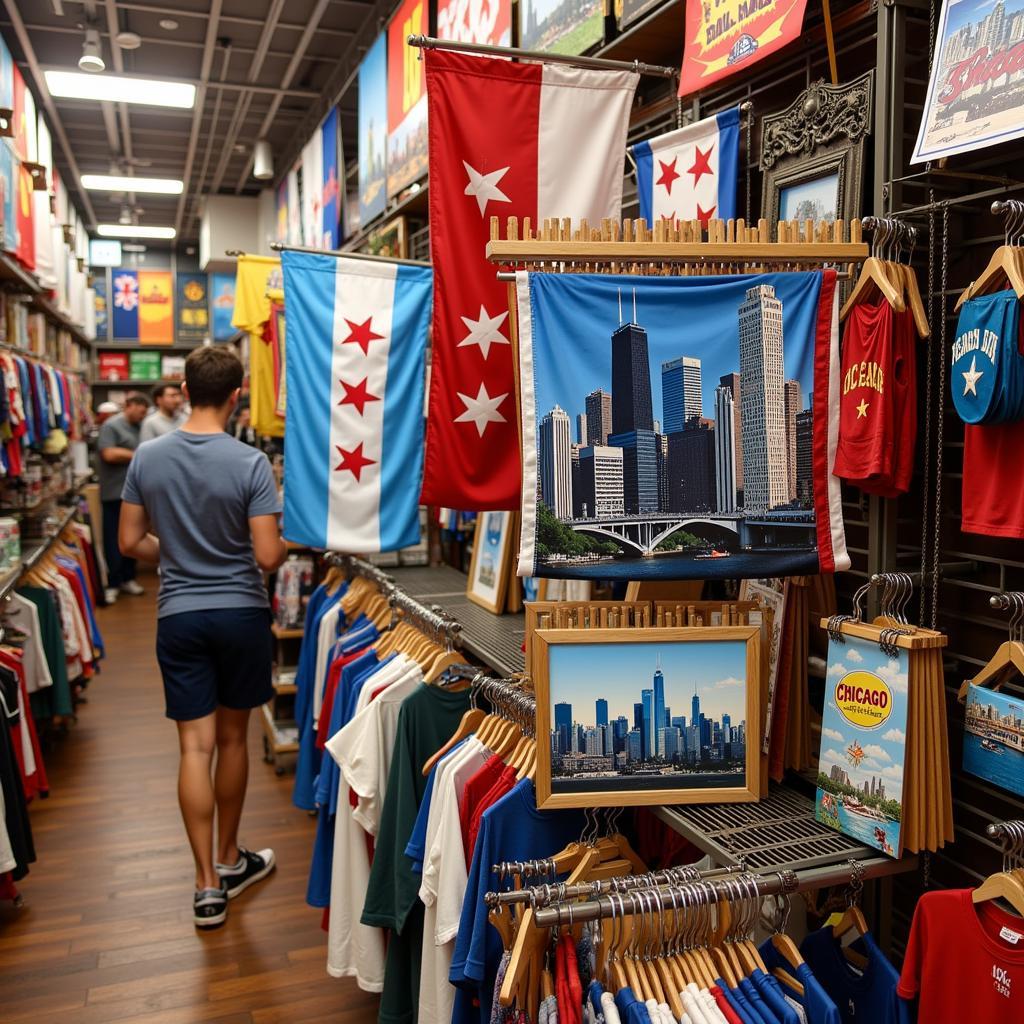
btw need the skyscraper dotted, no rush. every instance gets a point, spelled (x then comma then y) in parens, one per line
(732, 382)
(804, 460)
(794, 403)
(647, 733)
(659, 710)
(601, 711)
(725, 450)
(631, 381)
(638, 716)
(599, 416)
(681, 393)
(634, 745)
(581, 429)
(563, 726)
(762, 401)
(600, 491)
(574, 477)
(556, 463)
(695, 706)
(639, 470)
(691, 467)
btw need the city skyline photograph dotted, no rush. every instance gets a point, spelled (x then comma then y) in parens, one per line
(674, 426)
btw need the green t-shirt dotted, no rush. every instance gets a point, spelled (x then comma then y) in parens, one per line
(56, 699)
(427, 720)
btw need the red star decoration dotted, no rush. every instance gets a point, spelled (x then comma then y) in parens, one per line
(362, 334)
(668, 174)
(354, 460)
(357, 395)
(705, 215)
(701, 163)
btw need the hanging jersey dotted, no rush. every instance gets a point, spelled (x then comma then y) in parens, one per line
(865, 446)
(987, 376)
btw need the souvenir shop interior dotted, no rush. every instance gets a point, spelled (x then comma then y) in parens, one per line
(650, 642)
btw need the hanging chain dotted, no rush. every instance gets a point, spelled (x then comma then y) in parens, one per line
(940, 424)
(931, 35)
(928, 410)
(679, 107)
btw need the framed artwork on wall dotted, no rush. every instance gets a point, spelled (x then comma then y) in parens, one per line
(604, 698)
(492, 559)
(390, 239)
(812, 153)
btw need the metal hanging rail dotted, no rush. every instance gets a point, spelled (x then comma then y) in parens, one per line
(602, 63)
(340, 254)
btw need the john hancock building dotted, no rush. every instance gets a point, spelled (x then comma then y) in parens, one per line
(639, 735)
(725, 469)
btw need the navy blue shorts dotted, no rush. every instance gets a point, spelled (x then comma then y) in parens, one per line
(219, 657)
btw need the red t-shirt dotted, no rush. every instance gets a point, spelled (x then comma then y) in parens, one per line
(964, 962)
(477, 786)
(506, 782)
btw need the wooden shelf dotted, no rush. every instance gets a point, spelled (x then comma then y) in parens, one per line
(276, 743)
(285, 689)
(287, 634)
(136, 346)
(127, 383)
(13, 273)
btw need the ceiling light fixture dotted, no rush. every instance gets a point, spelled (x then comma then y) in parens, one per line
(121, 89)
(133, 247)
(134, 231)
(124, 183)
(128, 40)
(91, 60)
(262, 161)
(168, 24)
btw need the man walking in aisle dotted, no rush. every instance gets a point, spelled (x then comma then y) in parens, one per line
(167, 414)
(118, 438)
(205, 507)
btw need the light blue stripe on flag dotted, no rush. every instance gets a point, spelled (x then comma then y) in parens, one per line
(728, 161)
(402, 468)
(309, 312)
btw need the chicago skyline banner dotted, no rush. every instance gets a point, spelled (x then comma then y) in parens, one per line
(726, 36)
(651, 489)
(973, 96)
(407, 98)
(373, 131)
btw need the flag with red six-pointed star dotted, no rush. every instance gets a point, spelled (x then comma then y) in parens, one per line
(357, 336)
(691, 173)
(523, 140)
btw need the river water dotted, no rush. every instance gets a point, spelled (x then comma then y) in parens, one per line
(742, 565)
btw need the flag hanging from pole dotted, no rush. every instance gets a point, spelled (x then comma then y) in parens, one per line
(691, 173)
(525, 140)
(357, 337)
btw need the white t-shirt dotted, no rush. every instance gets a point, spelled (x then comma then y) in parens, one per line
(363, 753)
(23, 614)
(325, 637)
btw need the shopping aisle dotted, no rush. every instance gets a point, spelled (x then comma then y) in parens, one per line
(106, 932)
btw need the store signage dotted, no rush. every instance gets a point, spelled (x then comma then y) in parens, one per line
(560, 26)
(973, 97)
(156, 307)
(726, 36)
(222, 305)
(333, 181)
(407, 98)
(99, 299)
(373, 121)
(475, 21)
(104, 252)
(193, 307)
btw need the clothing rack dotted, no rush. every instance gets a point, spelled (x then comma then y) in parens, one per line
(368, 257)
(639, 67)
(1011, 835)
(36, 555)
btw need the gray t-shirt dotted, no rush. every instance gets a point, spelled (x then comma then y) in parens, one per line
(157, 425)
(117, 432)
(199, 491)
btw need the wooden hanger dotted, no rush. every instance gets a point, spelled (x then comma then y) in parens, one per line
(1009, 656)
(1003, 885)
(1004, 268)
(875, 281)
(913, 297)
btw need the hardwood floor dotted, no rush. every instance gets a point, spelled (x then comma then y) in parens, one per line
(106, 932)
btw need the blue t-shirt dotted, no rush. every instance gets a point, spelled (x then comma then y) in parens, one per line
(773, 997)
(735, 998)
(631, 1010)
(859, 995)
(200, 491)
(817, 1003)
(512, 829)
(756, 1002)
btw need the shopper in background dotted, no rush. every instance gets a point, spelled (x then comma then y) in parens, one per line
(212, 506)
(118, 438)
(166, 415)
(242, 427)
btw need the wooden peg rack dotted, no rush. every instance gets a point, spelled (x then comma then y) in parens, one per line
(673, 248)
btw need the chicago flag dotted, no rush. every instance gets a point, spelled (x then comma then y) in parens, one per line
(691, 173)
(357, 335)
(524, 140)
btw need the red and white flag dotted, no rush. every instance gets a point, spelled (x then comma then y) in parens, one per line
(524, 140)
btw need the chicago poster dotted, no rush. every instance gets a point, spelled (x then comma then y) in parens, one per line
(678, 428)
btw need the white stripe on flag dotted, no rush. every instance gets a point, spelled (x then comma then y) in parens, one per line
(686, 181)
(363, 292)
(581, 142)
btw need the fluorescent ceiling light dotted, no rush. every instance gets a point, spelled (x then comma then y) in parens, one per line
(134, 231)
(121, 89)
(123, 183)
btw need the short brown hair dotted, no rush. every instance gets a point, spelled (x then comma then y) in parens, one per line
(136, 398)
(158, 391)
(211, 374)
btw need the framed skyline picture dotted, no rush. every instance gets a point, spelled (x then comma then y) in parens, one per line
(631, 717)
(490, 567)
(993, 738)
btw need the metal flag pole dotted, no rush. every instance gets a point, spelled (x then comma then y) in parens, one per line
(282, 247)
(430, 43)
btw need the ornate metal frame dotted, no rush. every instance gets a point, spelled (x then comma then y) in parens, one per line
(822, 132)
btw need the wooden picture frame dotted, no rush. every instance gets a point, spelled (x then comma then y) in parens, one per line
(543, 614)
(490, 565)
(618, 649)
(817, 142)
(390, 239)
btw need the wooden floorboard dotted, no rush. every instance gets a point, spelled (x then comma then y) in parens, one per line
(105, 933)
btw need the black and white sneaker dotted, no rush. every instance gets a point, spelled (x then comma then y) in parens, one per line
(251, 867)
(210, 908)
